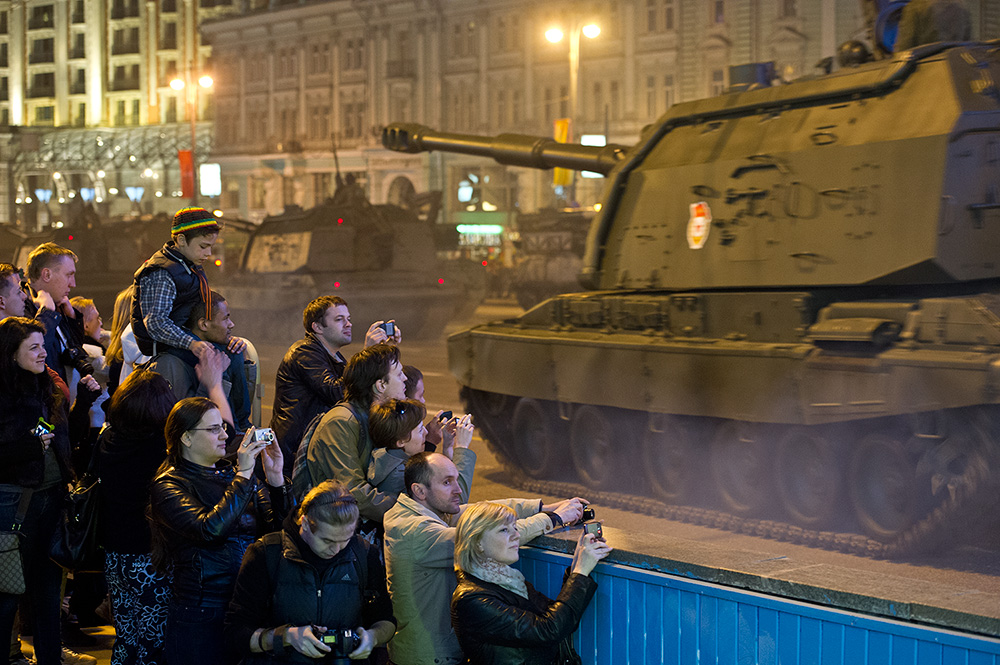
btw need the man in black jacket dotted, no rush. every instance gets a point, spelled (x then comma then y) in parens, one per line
(315, 578)
(307, 383)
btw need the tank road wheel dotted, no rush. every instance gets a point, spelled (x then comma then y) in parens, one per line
(882, 485)
(808, 476)
(668, 457)
(491, 413)
(533, 446)
(598, 446)
(741, 467)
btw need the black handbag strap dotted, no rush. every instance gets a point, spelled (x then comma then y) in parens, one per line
(22, 509)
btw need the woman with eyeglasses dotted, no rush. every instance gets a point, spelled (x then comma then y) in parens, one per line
(205, 512)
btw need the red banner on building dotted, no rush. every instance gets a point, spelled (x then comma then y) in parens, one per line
(186, 160)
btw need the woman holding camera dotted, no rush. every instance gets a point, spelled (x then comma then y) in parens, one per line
(204, 514)
(500, 618)
(308, 592)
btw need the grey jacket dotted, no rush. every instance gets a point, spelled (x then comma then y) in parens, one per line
(419, 559)
(385, 473)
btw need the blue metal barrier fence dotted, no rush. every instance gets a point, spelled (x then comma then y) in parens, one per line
(642, 617)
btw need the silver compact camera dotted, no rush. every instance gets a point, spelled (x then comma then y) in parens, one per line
(265, 434)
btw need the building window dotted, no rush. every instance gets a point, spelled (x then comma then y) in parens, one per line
(171, 110)
(135, 111)
(718, 82)
(42, 50)
(668, 90)
(788, 8)
(120, 113)
(3, 23)
(501, 108)
(515, 108)
(718, 11)
(650, 96)
(45, 115)
(599, 109)
(652, 13)
(169, 35)
(668, 14)
(41, 17)
(81, 114)
(614, 100)
(563, 101)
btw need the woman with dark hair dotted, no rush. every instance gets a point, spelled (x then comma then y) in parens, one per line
(500, 618)
(130, 450)
(315, 577)
(34, 466)
(205, 513)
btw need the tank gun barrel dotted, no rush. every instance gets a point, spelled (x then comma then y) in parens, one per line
(512, 149)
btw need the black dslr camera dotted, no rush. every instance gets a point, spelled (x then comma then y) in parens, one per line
(341, 642)
(78, 359)
(588, 513)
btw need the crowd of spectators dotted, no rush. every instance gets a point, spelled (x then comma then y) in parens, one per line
(335, 531)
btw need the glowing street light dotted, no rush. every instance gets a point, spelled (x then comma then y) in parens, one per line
(555, 35)
(178, 84)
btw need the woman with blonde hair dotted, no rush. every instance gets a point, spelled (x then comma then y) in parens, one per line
(498, 616)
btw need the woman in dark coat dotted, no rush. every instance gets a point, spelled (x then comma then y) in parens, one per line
(501, 619)
(129, 452)
(31, 460)
(205, 513)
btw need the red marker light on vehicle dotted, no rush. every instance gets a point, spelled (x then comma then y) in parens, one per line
(336, 285)
(440, 280)
(340, 220)
(71, 237)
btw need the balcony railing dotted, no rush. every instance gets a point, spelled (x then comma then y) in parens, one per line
(41, 22)
(124, 48)
(41, 57)
(169, 42)
(77, 53)
(79, 17)
(4, 95)
(36, 91)
(77, 88)
(400, 69)
(123, 11)
(125, 84)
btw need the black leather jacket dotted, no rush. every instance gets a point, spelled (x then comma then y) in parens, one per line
(204, 519)
(498, 627)
(304, 387)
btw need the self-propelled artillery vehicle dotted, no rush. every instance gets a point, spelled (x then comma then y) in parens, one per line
(792, 322)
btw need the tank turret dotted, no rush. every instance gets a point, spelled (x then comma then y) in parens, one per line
(792, 325)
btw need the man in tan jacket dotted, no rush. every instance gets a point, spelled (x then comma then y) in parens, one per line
(420, 552)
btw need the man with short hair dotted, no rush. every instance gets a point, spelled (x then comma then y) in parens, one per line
(420, 552)
(172, 283)
(306, 384)
(12, 296)
(51, 276)
(180, 366)
(340, 448)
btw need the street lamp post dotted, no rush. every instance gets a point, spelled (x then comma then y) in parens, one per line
(555, 35)
(178, 84)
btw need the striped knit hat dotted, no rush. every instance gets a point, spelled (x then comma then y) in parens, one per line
(189, 219)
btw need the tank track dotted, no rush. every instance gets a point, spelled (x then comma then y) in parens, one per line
(973, 489)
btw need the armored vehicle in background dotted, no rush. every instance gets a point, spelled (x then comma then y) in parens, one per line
(549, 253)
(380, 258)
(793, 318)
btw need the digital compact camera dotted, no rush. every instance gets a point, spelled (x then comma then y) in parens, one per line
(389, 327)
(265, 434)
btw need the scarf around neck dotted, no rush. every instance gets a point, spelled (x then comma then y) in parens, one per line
(497, 573)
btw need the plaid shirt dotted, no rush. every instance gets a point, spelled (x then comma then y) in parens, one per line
(156, 298)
